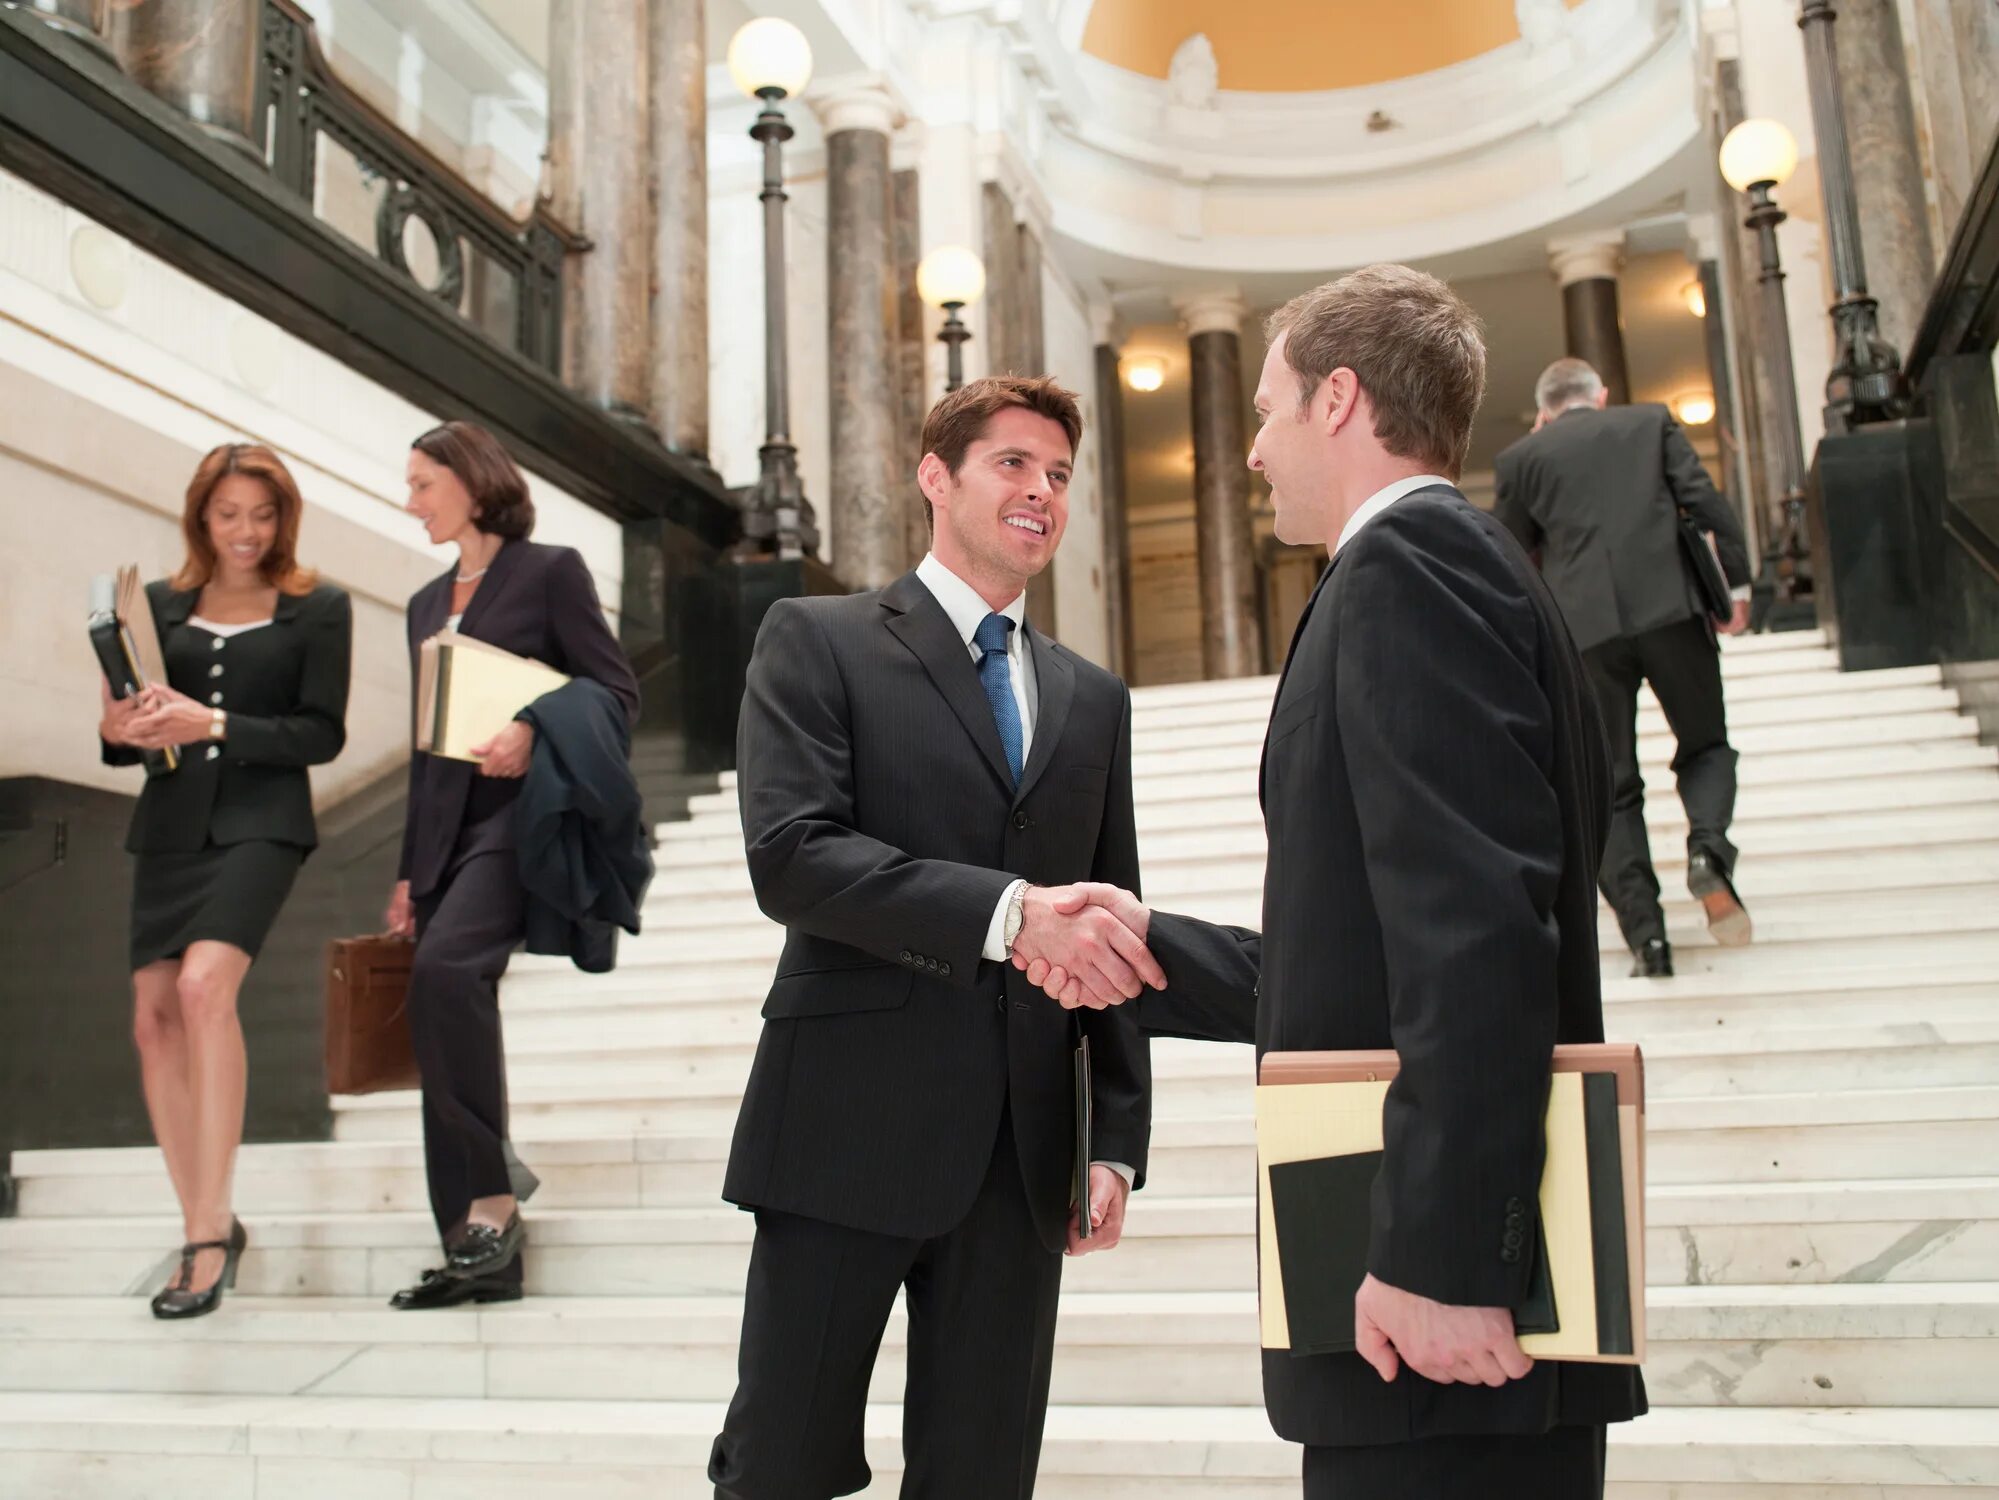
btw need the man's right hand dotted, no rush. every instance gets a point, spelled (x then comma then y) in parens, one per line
(1072, 986)
(1738, 621)
(1090, 940)
(400, 919)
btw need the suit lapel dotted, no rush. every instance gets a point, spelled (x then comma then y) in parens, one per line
(1290, 655)
(498, 572)
(919, 622)
(1055, 680)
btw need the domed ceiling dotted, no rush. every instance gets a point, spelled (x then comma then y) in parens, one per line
(1288, 46)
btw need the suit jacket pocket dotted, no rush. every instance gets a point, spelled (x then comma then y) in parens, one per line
(834, 992)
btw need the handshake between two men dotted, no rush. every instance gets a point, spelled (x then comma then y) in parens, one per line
(1084, 945)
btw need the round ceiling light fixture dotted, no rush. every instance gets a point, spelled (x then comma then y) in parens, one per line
(1695, 408)
(1145, 372)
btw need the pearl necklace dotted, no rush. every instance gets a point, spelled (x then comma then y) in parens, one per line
(475, 577)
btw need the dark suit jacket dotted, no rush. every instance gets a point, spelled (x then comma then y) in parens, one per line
(580, 827)
(1436, 791)
(1597, 492)
(284, 687)
(535, 601)
(882, 828)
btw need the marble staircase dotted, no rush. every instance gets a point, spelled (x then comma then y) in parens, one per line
(1823, 1232)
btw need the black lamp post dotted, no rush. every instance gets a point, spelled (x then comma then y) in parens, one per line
(1866, 380)
(1758, 157)
(771, 61)
(950, 279)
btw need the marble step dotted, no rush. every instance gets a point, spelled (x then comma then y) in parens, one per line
(113, 1446)
(1912, 1133)
(618, 1061)
(1851, 916)
(662, 1031)
(1756, 803)
(1916, 814)
(1895, 874)
(1878, 905)
(1936, 1344)
(618, 1219)
(1899, 873)
(1795, 848)
(1777, 699)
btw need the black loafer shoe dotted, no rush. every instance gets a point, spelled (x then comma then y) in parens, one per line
(480, 1249)
(1727, 917)
(442, 1289)
(1653, 961)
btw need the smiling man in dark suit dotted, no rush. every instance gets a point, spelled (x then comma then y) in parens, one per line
(916, 767)
(1434, 791)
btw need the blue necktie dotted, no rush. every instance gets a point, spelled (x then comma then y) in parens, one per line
(996, 676)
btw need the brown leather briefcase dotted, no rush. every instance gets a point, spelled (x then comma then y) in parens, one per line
(367, 1030)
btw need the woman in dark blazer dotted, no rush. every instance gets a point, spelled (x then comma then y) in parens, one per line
(459, 889)
(256, 655)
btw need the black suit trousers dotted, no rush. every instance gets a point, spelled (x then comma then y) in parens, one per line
(981, 1301)
(1683, 666)
(1565, 1464)
(467, 929)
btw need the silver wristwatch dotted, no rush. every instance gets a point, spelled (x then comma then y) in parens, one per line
(1015, 913)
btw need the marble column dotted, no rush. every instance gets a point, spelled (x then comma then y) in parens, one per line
(1231, 638)
(1887, 165)
(201, 57)
(1005, 337)
(912, 348)
(866, 523)
(1586, 267)
(1109, 438)
(1953, 53)
(599, 138)
(679, 158)
(1741, 255)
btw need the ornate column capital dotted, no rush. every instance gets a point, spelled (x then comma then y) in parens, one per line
(866, 105)
(1220, 310)
(1586, 257)
(1105, 329)
(1703, 237)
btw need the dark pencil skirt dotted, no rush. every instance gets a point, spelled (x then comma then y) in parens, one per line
(229, 893)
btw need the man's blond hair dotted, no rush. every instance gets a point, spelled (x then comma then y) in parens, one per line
(1414, 345)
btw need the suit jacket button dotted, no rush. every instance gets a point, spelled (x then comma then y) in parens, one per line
(1021, 821)
(1510, 1257)
(1512, 1239)
(1001, 1003)
(944, 969)
(906, 958)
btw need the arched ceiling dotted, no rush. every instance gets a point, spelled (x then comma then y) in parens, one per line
(1285, 46)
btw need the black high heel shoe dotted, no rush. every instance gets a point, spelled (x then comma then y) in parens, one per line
(179, 1300)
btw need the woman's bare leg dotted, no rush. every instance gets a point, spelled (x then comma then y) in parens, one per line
(211, 975)
(161, 1037)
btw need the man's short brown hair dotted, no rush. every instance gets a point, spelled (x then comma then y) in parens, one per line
(1415, 346)
(961, 418)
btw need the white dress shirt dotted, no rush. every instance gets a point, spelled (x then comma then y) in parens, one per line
(1380, 500)
(967, 612)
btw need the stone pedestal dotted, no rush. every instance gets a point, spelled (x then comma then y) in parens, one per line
(1874, 563)
(861, 373)
(598, 143)
(1586, 268)
(1109, 438)
(679, 89)
(1231, 641)
(201, 57)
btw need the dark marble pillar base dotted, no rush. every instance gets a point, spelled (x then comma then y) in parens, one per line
(722, 609)
(1875, 563)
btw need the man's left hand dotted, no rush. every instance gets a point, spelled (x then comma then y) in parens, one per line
(507, 753)
(1738, 620)
(1108, 1191)
(1450, 1345)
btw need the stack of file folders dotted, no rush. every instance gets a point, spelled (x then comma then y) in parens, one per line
(1319, 1148)
(467, 691)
